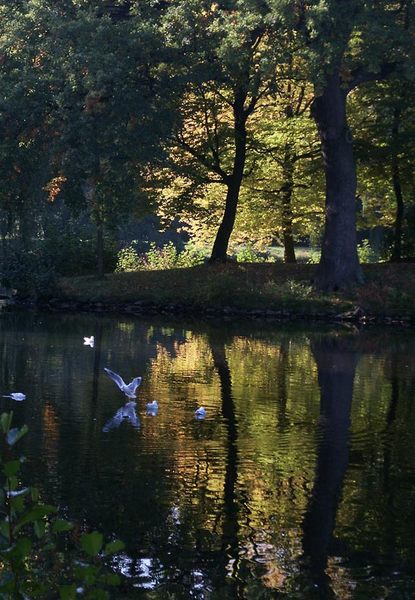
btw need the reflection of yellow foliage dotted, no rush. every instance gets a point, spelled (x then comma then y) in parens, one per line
(274, 578)
(340, 580)
(50, 441)
(125, 327)
(187, 374)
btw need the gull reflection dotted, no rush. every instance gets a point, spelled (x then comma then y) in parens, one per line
(200, 413)
(152, 408)
(125, 413)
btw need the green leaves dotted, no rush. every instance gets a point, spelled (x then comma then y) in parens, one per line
(113, 547)
(34, 514)
(6, 421)
(11, 468)
(91, 543)
(60, 526)
(20, 549)
(67, 592)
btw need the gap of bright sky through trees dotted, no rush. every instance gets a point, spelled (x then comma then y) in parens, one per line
(265, 122)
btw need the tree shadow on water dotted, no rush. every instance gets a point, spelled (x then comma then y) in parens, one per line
(336, 358)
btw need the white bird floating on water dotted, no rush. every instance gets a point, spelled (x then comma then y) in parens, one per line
(18, 396)
(200, 413)
(128, 389)
(89, 341)
(125, 413)
(152, 408)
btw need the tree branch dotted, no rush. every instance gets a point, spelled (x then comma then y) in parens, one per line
(362, 75)
(201, 158)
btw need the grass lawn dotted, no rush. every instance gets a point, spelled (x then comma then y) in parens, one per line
(389, 289)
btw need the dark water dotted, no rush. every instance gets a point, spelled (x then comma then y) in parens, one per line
(299, 483)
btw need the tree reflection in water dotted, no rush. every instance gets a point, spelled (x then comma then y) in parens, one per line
(336, 358)
(230, 540)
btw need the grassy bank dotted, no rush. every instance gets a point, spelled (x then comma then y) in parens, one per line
(389, 289)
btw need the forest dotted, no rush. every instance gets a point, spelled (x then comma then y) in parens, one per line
(224, 127)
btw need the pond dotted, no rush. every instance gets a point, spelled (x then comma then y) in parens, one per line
(299, 483)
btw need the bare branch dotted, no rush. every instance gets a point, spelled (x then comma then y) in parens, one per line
(204, 160)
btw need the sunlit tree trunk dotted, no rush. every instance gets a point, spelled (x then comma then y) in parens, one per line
(221, 243)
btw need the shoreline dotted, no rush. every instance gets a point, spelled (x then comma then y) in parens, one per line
(265, 291)
(140, 308)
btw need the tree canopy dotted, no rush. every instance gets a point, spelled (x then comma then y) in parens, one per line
(214, 113)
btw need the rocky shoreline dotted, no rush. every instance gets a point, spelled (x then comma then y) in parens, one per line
(146, 308)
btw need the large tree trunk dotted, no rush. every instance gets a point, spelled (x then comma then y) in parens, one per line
(339, 265)
(396, 180)
(220, 246)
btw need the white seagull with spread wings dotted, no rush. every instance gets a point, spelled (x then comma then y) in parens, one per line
(128, 389)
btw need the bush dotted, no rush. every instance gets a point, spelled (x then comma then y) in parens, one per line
(191, 256)
(128, 260)
(74, 255)
(314, 257)
(30, 272)
(249, 254)
(366, 253)
(364, 250)
(155, 259)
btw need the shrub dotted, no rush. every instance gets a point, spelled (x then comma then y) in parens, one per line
(166, 257)
(366, 253)
(249, 254)
(191, 256)
(74, 255)
(127, 260)
(30, 272)
(157, 259)
(364, 250)
(314, 257)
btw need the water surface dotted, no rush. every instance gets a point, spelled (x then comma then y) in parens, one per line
(299, 483)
